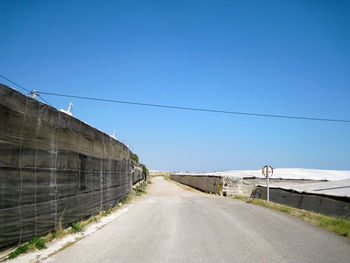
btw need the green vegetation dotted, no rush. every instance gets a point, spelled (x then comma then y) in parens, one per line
(166, 177)
(91, 219)
(38, 242)
(144, 169)
(19, 250)
(107, 212)
(35, 243)
(337, 225)
(240, 197)
(141, 190)
(135, 157)
(60, 231)
(77, 227)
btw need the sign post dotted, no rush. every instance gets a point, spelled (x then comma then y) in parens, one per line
(266, 171)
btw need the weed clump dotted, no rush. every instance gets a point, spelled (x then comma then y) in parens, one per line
(35, 243)
(38, 242)
(144, 169)
(77, 227)
(135, 157)
(20, 250)
(107, 212)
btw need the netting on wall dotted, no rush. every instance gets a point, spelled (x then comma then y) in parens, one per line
(54, 168)
(322, 204)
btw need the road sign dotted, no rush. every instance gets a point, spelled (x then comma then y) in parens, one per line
(267, 168)
(267, 171)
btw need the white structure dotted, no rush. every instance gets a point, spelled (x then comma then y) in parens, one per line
(68, 111)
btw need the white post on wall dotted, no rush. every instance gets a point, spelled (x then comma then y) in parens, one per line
(70, 106)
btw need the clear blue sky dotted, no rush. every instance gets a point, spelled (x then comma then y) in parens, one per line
(273, 57)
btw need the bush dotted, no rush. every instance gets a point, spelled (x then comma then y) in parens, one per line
(135, 158)
(38, 242)
(144, 169)
(20, 250)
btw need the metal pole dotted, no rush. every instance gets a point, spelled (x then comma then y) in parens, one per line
(268, 189)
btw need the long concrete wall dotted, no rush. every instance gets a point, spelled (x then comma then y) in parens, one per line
(327, 205)
(222, 185)
(209, 184)
(55, 168)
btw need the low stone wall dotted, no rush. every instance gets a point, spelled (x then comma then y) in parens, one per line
(209, 184)
(327, 205)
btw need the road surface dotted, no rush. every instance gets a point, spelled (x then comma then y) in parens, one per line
(172, 224)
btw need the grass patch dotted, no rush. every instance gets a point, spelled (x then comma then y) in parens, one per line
(107, 212)
(35, 243)
(240, 197)
(340, 226)
(19, 250)
(77, 227)
(166, 177)
(137, 192)
(141, 190)
(60, 231)
(38, 242)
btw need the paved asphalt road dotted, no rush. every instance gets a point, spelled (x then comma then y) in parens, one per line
(172, 224)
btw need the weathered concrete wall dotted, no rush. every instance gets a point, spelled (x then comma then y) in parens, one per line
(209, 184)
(326, 205)
(239, 186)
(221, 185)
(245, 186)
(137, 175)
(55, 168)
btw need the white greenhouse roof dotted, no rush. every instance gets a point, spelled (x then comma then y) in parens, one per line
(282, 173)
(334, 188)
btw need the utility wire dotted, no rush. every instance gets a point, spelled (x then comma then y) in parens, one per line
(194, 109)
(15, 83)
(41, 97)
(29, 92)
(176, 107)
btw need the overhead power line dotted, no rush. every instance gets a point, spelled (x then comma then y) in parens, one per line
(177, 107)
(14, 83)
(41, 97)
(194, 109)
(29, 91)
